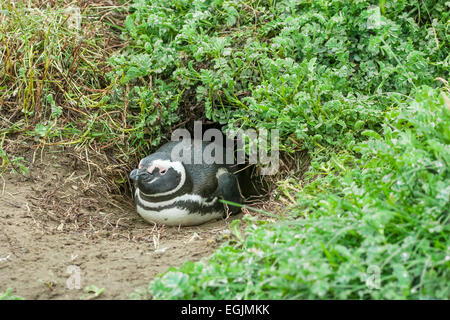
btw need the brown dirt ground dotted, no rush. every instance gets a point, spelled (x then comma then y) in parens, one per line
(56, 217)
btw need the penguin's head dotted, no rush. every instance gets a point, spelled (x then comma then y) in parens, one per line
(159, 177)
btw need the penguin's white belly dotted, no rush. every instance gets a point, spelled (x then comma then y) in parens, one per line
(176, 216)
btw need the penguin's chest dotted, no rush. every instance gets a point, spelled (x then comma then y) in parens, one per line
(185, 210)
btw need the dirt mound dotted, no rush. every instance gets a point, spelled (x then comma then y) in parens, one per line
(61, 233)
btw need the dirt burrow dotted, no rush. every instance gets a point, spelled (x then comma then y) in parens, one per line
(57, 220)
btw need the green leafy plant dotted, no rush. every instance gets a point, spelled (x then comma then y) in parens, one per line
(92, 292)
(388, 212)
(354, 83)
(7, 295)
(320, 72)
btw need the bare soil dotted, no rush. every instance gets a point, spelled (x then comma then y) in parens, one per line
(59, 217)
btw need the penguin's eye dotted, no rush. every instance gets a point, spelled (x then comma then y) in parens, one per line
(163, 171)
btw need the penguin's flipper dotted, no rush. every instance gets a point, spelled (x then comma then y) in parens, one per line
(228, 189)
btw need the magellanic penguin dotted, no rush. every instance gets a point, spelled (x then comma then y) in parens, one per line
(177, 192)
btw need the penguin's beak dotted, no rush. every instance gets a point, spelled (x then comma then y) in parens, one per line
(134, 175)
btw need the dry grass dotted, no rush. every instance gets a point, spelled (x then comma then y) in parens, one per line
(53, 83)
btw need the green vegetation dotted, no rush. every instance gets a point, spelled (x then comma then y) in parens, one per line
(360, 85)
(344, 80)
(316, 70)
(92, 292)
(46, 69)
(53, 88)
(386, 210)
(9, 296)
